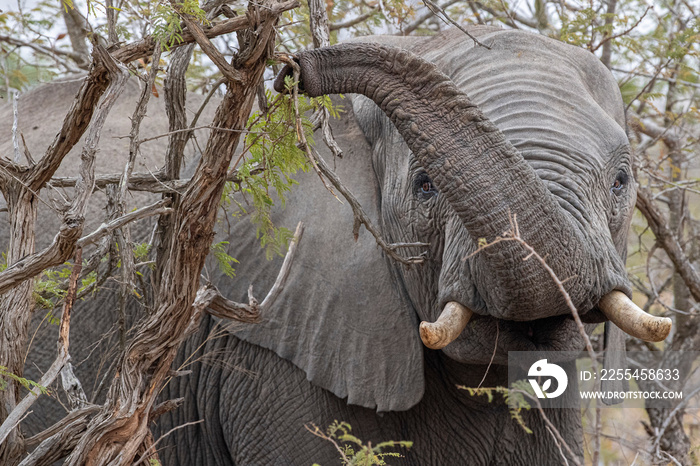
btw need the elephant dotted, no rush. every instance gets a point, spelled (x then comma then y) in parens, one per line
(452, 144)
(449, 143)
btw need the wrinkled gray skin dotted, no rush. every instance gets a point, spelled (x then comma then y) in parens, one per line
(342, 340)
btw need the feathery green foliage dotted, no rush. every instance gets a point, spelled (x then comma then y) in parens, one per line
(167, 24)
(514, 397)
(218, 250)
(50, 288)
(270, 158)
(26, 383)
(353, 452)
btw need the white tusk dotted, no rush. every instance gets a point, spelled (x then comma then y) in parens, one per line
(442, 332)
(632, 320)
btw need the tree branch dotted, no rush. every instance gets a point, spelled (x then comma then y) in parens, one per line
(63, 244)
(158, 208)
(207, 47)
(217, 305)
(357, 20)
(669, 242)
(425, 17)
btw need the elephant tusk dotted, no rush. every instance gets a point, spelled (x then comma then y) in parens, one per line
(632, 320)
(453, 318)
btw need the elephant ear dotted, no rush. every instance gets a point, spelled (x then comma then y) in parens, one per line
(343, 317)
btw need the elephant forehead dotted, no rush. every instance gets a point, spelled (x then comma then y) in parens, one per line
(538, 91)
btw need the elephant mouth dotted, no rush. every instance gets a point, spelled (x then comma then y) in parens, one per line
(559, 333)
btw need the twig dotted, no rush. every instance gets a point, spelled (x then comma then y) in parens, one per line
(662, 78)
(357, 20)
(191, 129)
(514, 235)
(509, 18)
(493, 355)
(561, 452)
(669, 242)
(157, 208)
(231, 73)
(284, 270)
(319, 433)
(187, 424)
(424, 17)
(206, 100)
(443, 15)
(53, 53)
(551, 426)
(623, 33)
(209, 297)
(320, 31)
(151, 182)
(669, 418)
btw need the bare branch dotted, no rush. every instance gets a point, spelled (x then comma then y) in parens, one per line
(606, 40)
(669, 242)
(157, 208)
(55, 54)
(207, 47)
(425, 17)
(440, 12)
(510, 18)
(357, 20)
(72, 226)
(284, 270)
(58, 440)
(551, 426)
(318, 18)
(217, 305)
(671, 415)
(514, 235)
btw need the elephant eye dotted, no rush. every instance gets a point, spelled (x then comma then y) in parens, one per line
(619, 183)
(424, 186)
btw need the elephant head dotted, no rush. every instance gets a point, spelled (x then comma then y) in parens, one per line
(464, 144)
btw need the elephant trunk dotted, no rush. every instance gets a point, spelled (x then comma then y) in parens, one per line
(486, 180)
